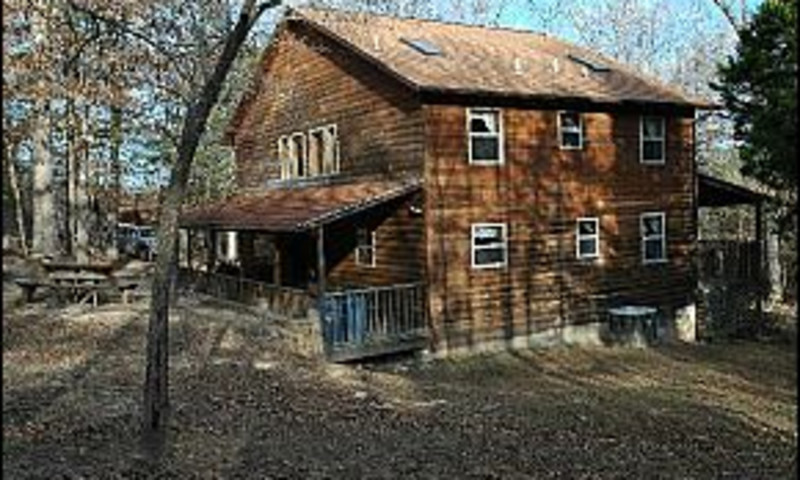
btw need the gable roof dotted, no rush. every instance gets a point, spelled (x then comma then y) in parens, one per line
(481, 60)
(477, 60)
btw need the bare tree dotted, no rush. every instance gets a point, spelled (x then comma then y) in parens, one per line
(155, 391)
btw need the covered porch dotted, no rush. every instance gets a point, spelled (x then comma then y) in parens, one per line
(289, 251)
(734, 274)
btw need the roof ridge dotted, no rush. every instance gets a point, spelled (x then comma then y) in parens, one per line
(423, 20)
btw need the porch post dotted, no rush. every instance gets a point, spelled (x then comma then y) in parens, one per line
(276, 271)
(211, 254)
(189, 233)
(320, 262)
(321, 274)
(760, 263)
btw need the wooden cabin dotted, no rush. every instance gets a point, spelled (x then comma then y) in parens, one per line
(443, 186)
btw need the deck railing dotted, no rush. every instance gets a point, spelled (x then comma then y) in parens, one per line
(284, 301)
(377, 317)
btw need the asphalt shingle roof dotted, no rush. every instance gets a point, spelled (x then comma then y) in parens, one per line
(477, 59)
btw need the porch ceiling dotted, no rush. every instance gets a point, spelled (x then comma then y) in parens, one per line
(295, 209)
(715, 192)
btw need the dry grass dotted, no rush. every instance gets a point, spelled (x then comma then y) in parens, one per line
(244, 406)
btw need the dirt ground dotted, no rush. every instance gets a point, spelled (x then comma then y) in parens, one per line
(243, 406)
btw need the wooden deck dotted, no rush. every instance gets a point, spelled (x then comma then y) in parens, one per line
(360, 323)
(355, 324)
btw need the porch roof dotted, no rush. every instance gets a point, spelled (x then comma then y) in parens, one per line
(295, 209)
(715, 192)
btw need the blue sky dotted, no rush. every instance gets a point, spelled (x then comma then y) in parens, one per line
(519, 13)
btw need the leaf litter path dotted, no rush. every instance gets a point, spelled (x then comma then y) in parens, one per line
(245, 405)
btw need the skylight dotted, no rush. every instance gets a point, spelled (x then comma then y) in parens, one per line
(425, 47)
(592, 65)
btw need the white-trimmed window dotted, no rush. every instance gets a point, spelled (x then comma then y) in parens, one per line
(654, 237)
(570, 130)
(485, 129)
(323, 151)
(489, 245)
(365, 247)
(298, 155)
(587, 238)
(285, 157)
(653, 141)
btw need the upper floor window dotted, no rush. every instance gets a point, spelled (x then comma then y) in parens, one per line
(323, 151)
(485, 136)
(570, 130)
(297, 155)
(654, 237)
(309, 155)
(587, 238)
(489, 245)
(652, 140)
(284, 155)
(365, 247)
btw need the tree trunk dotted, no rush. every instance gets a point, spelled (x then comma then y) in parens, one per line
(156, 400)
(13, 183)
(112, 211)
(79, 204)
(44, 218)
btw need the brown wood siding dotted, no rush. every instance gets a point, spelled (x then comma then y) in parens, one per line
(309, 81)
(399, 247)
(539, 192)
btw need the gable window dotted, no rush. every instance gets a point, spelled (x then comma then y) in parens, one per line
(298, 159)
(570, 130)
(365, 247)
(587, 241)
(285, 157)
(323, 151)
(654, 238)
(485, 136)
(489, 245)
(652, 140)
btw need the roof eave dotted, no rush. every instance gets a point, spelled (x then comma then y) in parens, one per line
(478, 93)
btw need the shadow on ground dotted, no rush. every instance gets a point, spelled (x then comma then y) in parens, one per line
(244, 406)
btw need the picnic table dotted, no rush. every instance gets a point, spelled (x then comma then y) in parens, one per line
(79, 287)
(103, 268)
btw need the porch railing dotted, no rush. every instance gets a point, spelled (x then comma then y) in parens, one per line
(284, 301)
(731, 261)
(391, 317)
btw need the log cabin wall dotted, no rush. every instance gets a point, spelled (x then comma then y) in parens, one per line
(539, 192)
(309, 81)
(399, 246)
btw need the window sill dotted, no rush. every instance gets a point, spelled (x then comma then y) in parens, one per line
(493, 266)
(659, 261)
(487, 163)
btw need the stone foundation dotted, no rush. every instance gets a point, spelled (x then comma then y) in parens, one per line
(680, 326)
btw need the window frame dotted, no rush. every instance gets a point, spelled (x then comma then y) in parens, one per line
(472, 111)
(331, 131)
(373, 246)
(284, 156)
(561, 131)
(474, 248)
(294, 155)
(644, 238)
(595, 236)
(662, 139)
